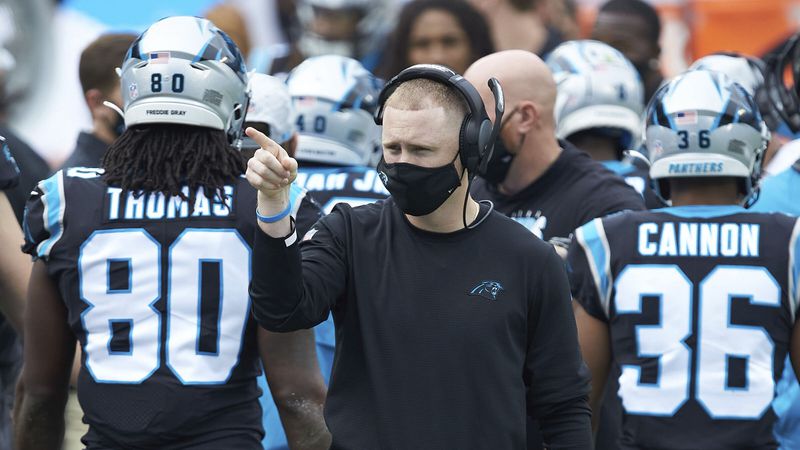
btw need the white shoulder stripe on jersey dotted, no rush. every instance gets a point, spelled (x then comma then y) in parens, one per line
(53, 213)
(598, 258)
(794, 269)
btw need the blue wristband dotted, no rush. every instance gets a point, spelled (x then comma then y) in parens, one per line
(276, 217)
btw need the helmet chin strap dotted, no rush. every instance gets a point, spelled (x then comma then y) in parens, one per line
(114, 107)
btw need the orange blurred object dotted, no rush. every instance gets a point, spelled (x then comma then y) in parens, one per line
(747, 26)
(691, 29)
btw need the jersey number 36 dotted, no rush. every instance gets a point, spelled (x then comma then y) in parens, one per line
(717, 341)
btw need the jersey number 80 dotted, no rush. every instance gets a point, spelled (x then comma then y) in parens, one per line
(134, 306)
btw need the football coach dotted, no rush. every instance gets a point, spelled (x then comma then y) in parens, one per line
(450, 318)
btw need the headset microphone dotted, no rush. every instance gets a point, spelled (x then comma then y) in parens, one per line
(499, 109)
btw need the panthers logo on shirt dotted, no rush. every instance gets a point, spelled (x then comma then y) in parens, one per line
(487, 290)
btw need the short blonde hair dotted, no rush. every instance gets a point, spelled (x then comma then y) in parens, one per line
(422, 93)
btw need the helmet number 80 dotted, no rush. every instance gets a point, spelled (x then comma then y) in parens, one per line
(702, 139)
(156, 82)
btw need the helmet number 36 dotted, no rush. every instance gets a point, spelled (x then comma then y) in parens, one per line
(703, 140)
(157, 82)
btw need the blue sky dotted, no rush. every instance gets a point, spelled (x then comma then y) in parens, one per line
(136, 15)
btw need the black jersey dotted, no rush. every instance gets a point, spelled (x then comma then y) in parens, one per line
(573, 191)
(442, 339)
(156, 293)
(354, 185)
(700, 302)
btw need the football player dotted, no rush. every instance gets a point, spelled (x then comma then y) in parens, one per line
(352, 28)
(751, 73)
(334, 98)
(599, 108)
(146, 263)
(696, 302)
(271, 112)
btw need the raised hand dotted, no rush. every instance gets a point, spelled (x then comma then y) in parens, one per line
(271, 170)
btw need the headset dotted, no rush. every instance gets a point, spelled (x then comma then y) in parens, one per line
(478, 134)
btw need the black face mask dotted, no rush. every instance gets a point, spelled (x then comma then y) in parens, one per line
(419, 191)
(498, 165)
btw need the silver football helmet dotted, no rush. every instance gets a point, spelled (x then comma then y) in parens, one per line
(373, 25)
(270, 104)
(598, 88)
(334, 99)
(184, 70)
(745, 70)
(702, 124)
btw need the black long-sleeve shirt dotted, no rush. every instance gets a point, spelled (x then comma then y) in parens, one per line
(442, 340)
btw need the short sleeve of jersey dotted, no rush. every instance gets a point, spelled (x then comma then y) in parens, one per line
(43, 223)
(307, 211)
(9, 172)
(588, 268)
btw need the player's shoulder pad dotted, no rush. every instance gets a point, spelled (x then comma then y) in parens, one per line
(43, 222)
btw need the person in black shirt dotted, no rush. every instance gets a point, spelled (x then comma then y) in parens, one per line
(100, 83)
(548, 185)
(450, 319)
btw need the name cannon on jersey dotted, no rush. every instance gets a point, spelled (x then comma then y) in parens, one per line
(698, 239)
(157, 206)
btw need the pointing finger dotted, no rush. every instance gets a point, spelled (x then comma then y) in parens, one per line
(264, 141)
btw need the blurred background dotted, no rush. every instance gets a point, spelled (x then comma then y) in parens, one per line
(42, 101)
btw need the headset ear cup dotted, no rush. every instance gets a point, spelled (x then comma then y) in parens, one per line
(485, 147)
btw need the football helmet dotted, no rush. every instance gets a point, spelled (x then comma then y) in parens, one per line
(749, 72)
(334, 98)
(373, 19)
(703, 124)
(184, 70)
(598, 88)
(270, 103)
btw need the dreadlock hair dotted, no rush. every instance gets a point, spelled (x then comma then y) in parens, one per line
(166, 157)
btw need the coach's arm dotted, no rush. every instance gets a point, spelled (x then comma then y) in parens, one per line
(288, 294)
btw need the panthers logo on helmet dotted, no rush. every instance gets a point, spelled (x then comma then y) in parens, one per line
(487, 290)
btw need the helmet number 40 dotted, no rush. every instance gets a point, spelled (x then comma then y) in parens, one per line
(156, 84)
